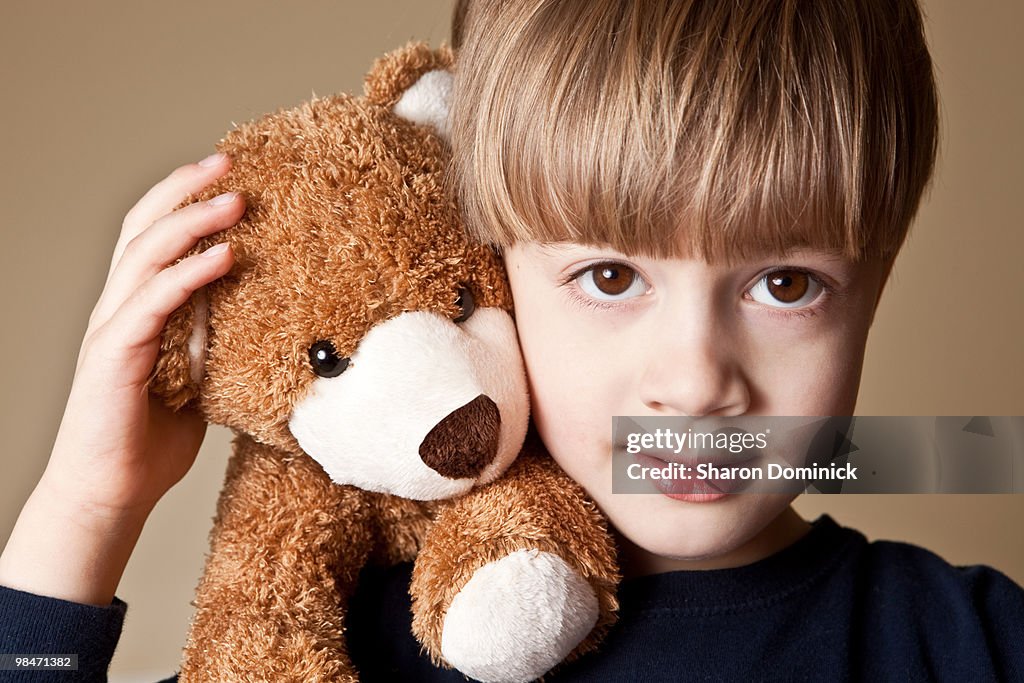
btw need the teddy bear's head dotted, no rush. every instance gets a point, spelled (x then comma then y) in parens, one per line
(360, 325)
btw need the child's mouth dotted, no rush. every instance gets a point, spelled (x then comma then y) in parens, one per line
(702, 479)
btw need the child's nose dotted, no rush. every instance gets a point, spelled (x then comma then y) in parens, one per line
(694, 376)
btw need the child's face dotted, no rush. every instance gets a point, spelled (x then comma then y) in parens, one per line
(605, 334)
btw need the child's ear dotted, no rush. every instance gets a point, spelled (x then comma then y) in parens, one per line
(415, 83)
(181, 363)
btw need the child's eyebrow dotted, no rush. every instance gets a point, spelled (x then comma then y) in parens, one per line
(832, 255)
(557, 250)
(827, 254)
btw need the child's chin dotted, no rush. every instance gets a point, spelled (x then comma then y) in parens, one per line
(695, 546)
(694, 531)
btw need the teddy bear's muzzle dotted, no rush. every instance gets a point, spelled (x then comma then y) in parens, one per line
(465, 441)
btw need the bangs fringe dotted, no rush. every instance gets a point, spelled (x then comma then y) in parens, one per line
(719, 130)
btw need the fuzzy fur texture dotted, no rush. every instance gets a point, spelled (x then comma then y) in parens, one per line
(535, 506)
(348, 227)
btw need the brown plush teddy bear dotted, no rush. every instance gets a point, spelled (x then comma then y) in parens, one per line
(364, 352)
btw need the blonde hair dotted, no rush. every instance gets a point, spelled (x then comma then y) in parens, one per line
(685, 127)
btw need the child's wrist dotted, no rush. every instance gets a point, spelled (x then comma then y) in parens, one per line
(90, 513)
(69, 549)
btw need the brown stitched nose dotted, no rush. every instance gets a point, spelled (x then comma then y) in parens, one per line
(465, 442)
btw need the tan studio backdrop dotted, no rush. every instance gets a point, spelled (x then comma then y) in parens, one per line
(102, 99)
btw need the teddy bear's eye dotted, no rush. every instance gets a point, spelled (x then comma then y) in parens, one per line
(466, 304)
(325, 359)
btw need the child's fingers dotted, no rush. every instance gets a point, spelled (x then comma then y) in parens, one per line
(162, 243)
(167, 194)
(124, 348)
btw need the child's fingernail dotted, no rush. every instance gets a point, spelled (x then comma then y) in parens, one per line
(223, 198)
(213, 159)
(216, 250)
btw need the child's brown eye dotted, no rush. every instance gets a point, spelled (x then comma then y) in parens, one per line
(612, 279)
(788, 285)
(786, 288)
(611, 282)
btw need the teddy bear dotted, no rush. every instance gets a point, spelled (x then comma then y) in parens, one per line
(363, 351)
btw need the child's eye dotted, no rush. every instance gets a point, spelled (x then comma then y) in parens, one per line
(786, 288)
(610, 281)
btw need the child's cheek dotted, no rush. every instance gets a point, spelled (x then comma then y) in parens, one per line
(810, 374)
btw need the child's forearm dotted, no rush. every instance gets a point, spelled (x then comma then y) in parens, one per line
(118, 450)
(60, 550)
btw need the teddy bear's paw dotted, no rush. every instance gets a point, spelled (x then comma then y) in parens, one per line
(517, 617)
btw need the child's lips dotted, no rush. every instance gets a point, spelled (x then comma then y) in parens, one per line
(694, 486)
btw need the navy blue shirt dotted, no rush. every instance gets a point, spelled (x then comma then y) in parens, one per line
(831, 607)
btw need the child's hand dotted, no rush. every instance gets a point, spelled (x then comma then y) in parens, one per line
(118, 451)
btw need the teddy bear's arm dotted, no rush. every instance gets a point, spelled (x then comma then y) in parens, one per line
(286, 549)
(530, 550)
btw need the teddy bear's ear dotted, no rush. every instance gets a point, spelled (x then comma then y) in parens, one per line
(181, 363)
(415, 83)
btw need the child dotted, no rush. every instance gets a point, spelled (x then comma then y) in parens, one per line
(698, 204)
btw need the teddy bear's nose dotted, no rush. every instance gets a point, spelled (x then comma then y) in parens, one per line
(464, 442)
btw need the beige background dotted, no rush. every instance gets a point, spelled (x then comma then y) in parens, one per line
(102, 99)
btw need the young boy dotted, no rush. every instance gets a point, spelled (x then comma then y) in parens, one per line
(698, 204)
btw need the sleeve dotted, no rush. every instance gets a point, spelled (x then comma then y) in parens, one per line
(1000, 605)
(35, 624)
(379, 631)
